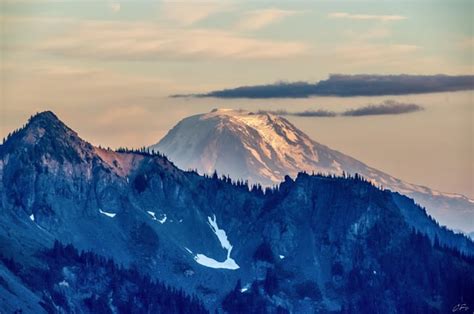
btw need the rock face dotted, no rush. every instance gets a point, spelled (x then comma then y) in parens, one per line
(316, 243)
(263, 148)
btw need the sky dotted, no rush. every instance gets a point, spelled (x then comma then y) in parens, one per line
(107, 68)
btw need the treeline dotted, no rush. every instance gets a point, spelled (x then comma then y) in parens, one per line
(258, 189)
(144, 151)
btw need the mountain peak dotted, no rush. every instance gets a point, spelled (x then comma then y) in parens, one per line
(45, 115)
(253, 146)
(221, 110)
(47, 120)
(46, 134)
(236, 112)
(259, 121)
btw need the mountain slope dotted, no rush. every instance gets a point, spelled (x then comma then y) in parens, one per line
(309, 245)
(263, 148)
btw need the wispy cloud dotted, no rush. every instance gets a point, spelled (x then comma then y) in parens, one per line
(152, 41)
(378, 32)
(306, 113)
(258, 19)
(388, 107)
(188, 13)
(383, 18)
(114, 6)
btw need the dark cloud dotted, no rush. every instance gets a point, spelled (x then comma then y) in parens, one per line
(388, 107)
(306, 113)
(350, 85)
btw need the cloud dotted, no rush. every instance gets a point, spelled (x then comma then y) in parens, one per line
(114, 7)
(388, 107)
(306, 113)
(349, 16)
(378, 31)
(258, 19)
(188, 13)
(47, 81)
(145, 41)
(352, 85)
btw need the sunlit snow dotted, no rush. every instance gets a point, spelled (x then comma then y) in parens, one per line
(111, 215)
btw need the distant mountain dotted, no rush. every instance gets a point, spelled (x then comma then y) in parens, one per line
(263, 148)
(185, 241)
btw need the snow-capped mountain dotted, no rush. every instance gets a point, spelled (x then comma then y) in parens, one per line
(263, 148)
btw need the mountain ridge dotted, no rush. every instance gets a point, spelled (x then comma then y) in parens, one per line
(263, 148)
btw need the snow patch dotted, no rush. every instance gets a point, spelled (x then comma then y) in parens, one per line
(282, 256)
(64, 283)
(32, 217)
(202, 259)
(220, 233)
(229, 263)
(152, 214)
(162, 220)
(245, 288)
(111, 215)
